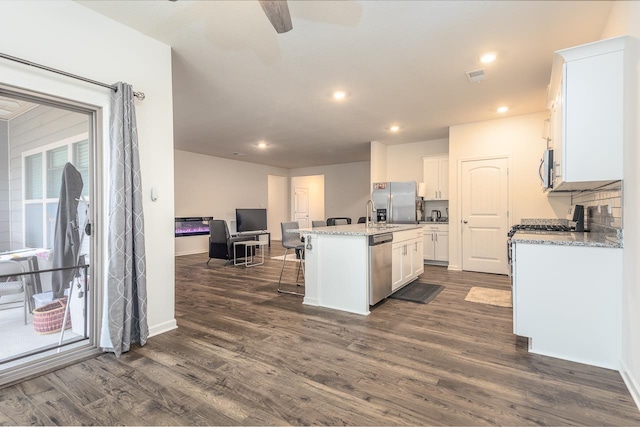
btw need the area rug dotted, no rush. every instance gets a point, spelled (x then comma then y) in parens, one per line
(489, 296)
(418, 292)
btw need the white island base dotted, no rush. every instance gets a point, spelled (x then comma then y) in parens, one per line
(337, 265)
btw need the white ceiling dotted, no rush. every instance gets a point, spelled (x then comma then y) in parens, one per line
(236, 82)
(11, 108)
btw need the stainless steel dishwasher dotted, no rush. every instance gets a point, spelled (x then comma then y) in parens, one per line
(379, 267)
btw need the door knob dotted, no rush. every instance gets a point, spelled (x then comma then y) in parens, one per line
(465, 221)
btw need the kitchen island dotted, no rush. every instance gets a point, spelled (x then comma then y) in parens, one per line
(338, 266)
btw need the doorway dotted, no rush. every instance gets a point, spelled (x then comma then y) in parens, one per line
(301, 206)
(307, 199)
(48, 145)
(485, 215)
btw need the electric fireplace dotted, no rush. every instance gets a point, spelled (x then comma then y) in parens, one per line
(192, 226)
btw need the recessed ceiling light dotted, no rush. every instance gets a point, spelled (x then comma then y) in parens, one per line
(262, 144)
(394, 128)
(339, 95)
(502, 109)
(488, 58)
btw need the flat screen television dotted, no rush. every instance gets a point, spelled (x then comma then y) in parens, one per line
(251, 220)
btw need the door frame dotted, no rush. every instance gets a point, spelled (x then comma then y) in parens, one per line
(458, 207)
(315, 184)
(95, 102)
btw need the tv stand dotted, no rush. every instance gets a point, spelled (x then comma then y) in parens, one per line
(256, 234)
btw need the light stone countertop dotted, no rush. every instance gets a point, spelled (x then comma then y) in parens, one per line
(568, 238)
(357, 229)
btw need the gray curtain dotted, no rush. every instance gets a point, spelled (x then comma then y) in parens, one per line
(126, 293)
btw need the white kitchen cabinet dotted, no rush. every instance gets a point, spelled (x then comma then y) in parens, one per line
(567, 300)
(587, 114)
(435, 175)
(417, 257)
(407, 262)
(436, 243)
(397, 255)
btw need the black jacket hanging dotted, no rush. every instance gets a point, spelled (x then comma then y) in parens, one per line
(66, 243)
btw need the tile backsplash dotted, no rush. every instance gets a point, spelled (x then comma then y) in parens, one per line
(602, 207)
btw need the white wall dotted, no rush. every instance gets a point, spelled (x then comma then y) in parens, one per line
(277, 205)
(346, 188)
(404, 161)
(625, 19)
(213, 186)
(70, 37)
(520, 139)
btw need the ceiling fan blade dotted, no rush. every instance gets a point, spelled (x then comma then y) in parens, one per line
(278, 13)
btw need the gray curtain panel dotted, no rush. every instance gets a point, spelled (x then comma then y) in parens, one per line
(126, 282)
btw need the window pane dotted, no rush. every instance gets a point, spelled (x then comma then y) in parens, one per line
(81, 162)
(33, 225)
(52, 212)
(56, 159)
(33, 177)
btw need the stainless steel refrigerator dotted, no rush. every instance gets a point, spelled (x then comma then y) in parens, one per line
(395, 202)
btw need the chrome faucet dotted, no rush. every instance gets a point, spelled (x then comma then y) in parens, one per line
(373, 209)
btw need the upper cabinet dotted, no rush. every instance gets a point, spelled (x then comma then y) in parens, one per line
(587, 114)
(435, 174)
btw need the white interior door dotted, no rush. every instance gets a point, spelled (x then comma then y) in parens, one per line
(301, 206)
(484, 214)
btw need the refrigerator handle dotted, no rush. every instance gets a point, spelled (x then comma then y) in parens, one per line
(390, 214)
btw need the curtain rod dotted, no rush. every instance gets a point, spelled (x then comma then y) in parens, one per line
(139, 95)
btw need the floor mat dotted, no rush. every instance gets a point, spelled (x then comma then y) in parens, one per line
(418, 292)
(489, 296)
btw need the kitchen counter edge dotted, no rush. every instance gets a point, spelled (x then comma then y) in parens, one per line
(596, 240)
(357, 229)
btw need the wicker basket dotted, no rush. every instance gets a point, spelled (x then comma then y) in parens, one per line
(48, 318)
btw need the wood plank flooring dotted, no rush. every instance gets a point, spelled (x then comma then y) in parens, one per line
(245, 355)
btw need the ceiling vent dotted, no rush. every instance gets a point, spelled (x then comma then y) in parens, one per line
(475, 76)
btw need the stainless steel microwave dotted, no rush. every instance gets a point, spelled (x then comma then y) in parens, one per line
(546, 170)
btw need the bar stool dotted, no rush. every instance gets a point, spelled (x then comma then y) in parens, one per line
(291, 241)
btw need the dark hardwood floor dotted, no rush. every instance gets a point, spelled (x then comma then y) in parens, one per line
(244, 355)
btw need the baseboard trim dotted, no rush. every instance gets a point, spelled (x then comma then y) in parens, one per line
(454, 267)
(311, 301)
(196, 251)
(163, 327)
(632, 384)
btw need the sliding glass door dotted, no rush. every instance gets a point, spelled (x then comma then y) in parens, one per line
(48, 152)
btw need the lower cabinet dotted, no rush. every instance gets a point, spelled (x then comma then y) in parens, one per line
(407, 257)
(436, 243)
(567, 301)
